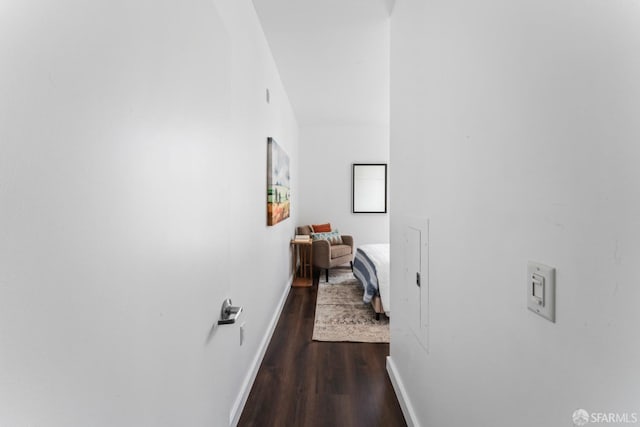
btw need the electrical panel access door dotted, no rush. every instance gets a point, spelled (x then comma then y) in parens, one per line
(416, 277)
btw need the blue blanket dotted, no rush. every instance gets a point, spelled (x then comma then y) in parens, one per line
(365, 272)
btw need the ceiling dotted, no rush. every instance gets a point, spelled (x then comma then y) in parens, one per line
(333, 57)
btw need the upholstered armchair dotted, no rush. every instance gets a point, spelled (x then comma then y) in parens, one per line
(327, 255)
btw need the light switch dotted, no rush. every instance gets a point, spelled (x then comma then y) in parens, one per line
(537, 288)
(541, 290)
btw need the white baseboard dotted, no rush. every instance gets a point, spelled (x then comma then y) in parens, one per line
(401, 393)
(241, 400)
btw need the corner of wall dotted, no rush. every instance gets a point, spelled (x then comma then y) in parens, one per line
(401, 393)
(243, 395)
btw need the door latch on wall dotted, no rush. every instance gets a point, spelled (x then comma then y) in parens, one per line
(229, 313)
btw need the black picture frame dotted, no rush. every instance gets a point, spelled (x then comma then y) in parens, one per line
(369, 188)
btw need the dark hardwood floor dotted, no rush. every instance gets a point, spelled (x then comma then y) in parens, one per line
(308, 383)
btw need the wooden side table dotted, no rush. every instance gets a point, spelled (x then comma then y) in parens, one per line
(302, 258)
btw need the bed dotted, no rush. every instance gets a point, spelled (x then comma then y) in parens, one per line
(371, 268)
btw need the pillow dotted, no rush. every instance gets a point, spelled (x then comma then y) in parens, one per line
(333, 237)
(321, 228)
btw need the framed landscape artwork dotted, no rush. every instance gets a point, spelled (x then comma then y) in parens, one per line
(278, 190)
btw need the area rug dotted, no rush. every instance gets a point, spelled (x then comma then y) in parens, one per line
(342, 316)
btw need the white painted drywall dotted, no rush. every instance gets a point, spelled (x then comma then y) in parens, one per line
(333, 57)
(326, 157)
(334, 61)
(514, 130)
(132, 189)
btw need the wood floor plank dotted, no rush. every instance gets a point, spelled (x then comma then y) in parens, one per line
(309, 383)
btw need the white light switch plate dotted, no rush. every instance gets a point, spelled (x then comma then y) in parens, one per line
(541, 301)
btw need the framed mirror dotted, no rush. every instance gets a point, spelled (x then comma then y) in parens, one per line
(369, 192)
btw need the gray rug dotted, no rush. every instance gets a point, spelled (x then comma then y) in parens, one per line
(342, 316)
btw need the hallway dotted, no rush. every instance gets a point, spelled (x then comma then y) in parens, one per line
(308, 383)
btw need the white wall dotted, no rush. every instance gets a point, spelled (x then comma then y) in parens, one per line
(132, 189)
(332, 136)
(514, 129)
(326, 155)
